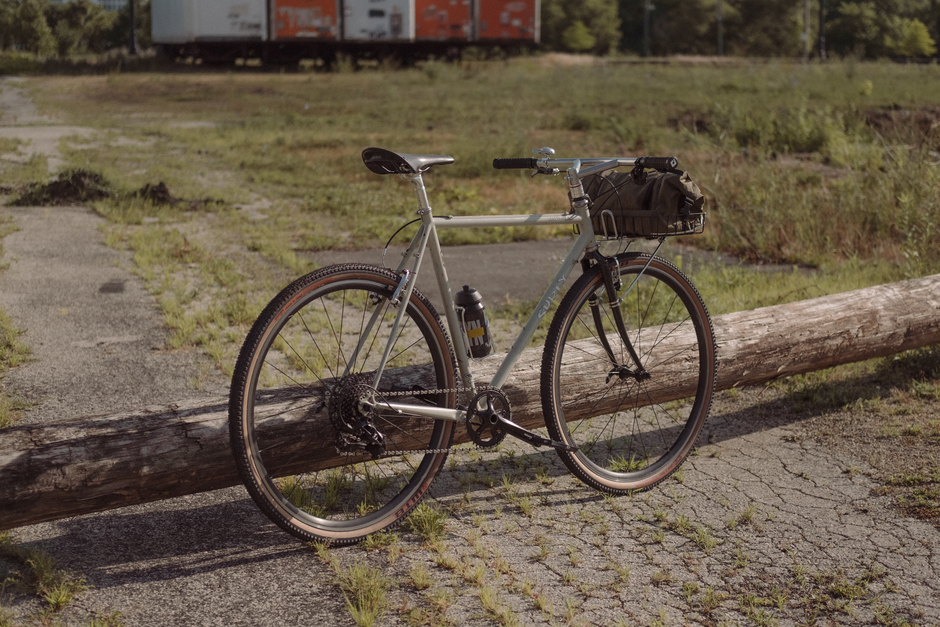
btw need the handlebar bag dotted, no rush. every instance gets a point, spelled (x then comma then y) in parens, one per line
(661, 204)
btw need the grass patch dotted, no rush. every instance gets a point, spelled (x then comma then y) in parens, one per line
(427, 521)
(263, 129)
(12, 351)
(366, 591)
(35, 572)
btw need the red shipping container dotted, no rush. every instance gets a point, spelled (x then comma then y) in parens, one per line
(443, 19)
(304, 18)
(508, 19)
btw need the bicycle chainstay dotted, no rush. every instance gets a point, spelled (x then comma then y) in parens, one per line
(416, 393)
(515, 431)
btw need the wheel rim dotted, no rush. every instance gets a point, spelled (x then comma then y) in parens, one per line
(643, 430)
(299, 361)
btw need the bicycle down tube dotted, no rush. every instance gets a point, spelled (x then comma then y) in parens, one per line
(427, 240)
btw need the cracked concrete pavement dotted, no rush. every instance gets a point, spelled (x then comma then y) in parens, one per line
(763, 525)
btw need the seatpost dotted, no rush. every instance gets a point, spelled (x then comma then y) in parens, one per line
(424, 205)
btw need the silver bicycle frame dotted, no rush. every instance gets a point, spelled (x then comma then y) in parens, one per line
(426, 239)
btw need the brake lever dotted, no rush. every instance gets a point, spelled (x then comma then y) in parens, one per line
(543, 170)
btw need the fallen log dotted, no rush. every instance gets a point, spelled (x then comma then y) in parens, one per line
(55, 470)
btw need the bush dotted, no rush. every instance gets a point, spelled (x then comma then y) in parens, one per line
(15, 63)
(783, 131)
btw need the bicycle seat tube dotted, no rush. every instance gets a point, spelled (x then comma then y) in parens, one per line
(433, 244)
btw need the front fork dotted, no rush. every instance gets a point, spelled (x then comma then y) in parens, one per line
(610, 273)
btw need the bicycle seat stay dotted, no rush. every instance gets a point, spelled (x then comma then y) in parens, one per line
(382, 161)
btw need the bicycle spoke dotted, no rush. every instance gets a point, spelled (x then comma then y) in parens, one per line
(326, 464)
(632, 426)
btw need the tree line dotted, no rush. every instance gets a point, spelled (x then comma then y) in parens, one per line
(768, 28)
(70, 29)
(866, 29)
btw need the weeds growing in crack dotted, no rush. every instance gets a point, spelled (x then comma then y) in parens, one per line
(712, 600)
(703, 539)
(622, 570)
(501, 613)
(427, 521)
(366, 592)
(37, 572)
(380, 540)
(661, 577)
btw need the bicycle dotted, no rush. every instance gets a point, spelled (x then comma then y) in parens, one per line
(348, 390)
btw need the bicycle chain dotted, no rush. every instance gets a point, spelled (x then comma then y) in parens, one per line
(423, 393)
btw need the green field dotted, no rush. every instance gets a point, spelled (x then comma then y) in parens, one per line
(830, 169)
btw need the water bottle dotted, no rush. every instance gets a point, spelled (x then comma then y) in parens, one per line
(473, 319)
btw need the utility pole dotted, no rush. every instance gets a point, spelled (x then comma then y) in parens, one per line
(822, 29)
(132, 44)
(805, 35)
(647, 7)
(721, 32)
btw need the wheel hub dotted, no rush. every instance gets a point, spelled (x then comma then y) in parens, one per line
(625, 373)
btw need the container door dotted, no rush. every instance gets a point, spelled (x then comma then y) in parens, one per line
(441, 20)
(370, 20)
(508, 19)
(317, 19)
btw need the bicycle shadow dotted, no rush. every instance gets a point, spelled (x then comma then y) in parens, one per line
(223, 529)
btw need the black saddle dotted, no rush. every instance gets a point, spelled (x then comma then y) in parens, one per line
(383, 161)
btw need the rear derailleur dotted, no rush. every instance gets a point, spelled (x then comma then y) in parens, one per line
(351, 408)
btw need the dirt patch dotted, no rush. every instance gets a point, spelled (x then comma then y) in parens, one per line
(693, 121)
(889, 420)
(561, 59)
(77, 186)
(916, 126)
(70, 187)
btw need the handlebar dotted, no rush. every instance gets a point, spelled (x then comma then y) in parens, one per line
(525, 163)
(658, 163)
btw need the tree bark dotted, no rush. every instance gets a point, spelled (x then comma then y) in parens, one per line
(91, 464)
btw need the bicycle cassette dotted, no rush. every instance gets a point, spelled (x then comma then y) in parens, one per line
(351, 416)
(483, 414)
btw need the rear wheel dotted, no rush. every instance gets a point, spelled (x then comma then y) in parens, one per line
(634, 424)
(318, 451)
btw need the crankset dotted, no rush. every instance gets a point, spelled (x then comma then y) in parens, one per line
(488, 422)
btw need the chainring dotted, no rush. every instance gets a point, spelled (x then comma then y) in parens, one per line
(483, 415)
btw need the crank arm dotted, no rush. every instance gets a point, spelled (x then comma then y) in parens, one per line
(527, 436)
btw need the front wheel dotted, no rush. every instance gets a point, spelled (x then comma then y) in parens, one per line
(319, 450)
(633, 423)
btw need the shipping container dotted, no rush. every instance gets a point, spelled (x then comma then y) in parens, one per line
(315, 19)
(508, 20)
(441, 20)
(288, 31)
(184, 21)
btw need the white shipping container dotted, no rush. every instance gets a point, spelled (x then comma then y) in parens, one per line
(376, 20)
(183, 21)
